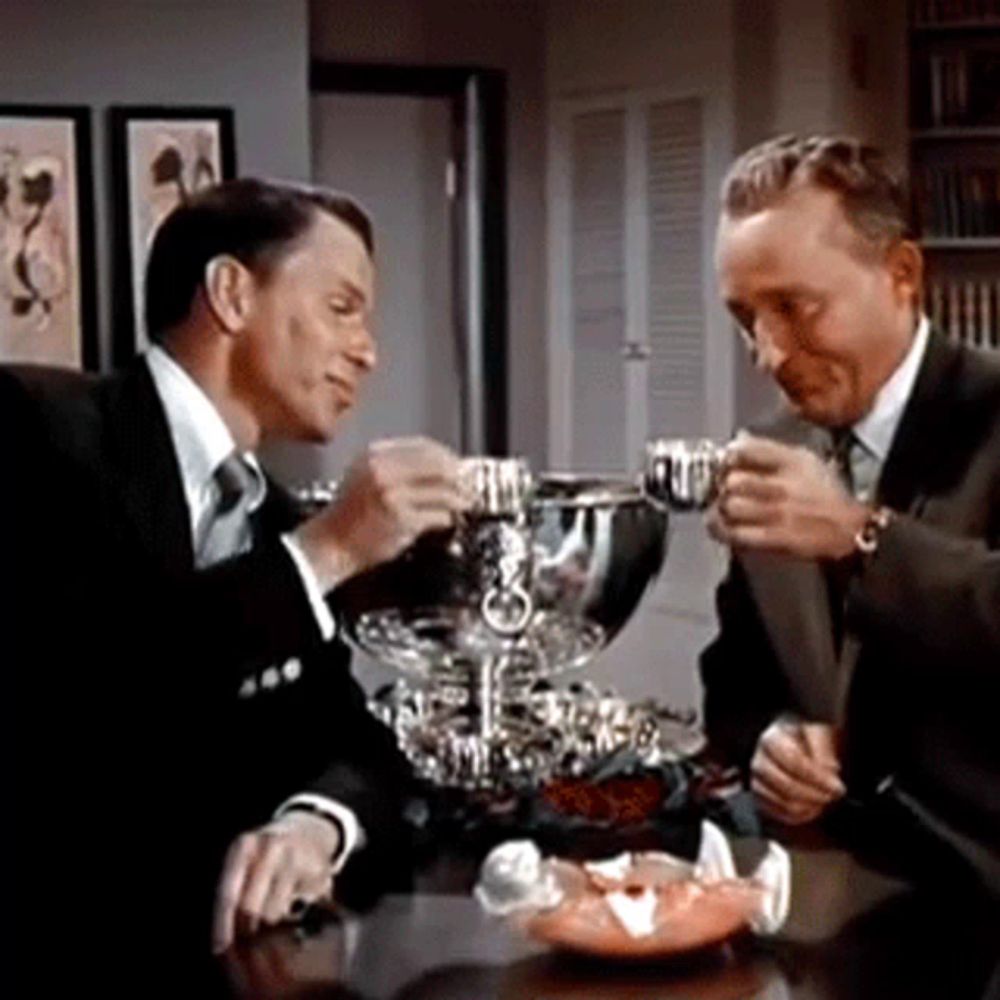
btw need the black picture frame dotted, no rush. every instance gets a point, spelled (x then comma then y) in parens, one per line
(47, 208)
(159, 156)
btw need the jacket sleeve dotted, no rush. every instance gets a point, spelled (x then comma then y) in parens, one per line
(744, 687)
(364, 770)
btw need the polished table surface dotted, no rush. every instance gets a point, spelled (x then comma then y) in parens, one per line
(851, 933)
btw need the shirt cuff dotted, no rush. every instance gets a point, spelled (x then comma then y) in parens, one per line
(324, 618)
(353, 834)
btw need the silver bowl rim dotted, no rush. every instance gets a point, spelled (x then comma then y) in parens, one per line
(601, 491)
(664, 447)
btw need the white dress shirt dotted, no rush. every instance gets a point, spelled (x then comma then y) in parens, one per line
(202, 441)
(876, 431)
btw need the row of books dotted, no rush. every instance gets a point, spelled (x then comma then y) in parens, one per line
(953, 200)
(957, 87)
(967, 311)
(930, 12)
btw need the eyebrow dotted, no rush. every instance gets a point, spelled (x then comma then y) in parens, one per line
(795, 290)
(355, 291)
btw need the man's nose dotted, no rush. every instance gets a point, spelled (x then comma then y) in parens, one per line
(770, 353)
(363, 351)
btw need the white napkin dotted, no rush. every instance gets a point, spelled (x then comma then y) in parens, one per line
(513, 877)
(636, 913)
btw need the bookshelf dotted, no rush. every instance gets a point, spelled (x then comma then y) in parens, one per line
(954, 133)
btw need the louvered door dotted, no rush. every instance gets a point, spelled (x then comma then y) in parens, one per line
(629, 343)
(598, 293)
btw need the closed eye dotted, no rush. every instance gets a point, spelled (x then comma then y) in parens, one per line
(796, 307)
(344, 305)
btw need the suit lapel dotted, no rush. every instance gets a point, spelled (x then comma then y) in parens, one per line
(921, 455)
(917, 461)
(146, 463)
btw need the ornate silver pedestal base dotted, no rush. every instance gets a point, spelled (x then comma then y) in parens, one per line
(526, 738)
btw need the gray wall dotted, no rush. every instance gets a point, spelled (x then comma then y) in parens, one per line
(500, 34)
(247, 54)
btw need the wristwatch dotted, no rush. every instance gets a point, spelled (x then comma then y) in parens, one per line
(867, 538)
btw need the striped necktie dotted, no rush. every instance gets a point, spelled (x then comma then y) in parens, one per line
(228, 531)
(857, 465)
(843, 445)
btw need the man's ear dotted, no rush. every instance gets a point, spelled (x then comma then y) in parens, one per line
(229, 292)
(906, 270)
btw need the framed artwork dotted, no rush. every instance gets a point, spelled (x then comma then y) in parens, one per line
(160, 157)
(47, 294)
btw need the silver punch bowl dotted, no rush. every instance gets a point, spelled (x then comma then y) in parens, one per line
(537, 578)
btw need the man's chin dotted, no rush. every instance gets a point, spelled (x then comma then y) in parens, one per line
(320, 431)
(326, 431)
(814, 410)
(327, 423)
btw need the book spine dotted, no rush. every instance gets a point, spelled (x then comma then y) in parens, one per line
(985, 315)
(954, 312)
(996, 314)
(970, 328)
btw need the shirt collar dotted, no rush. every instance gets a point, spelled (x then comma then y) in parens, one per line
(201, 438)
(877, 428)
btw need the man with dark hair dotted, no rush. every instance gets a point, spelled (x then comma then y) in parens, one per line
(856, 672)
(182, 680)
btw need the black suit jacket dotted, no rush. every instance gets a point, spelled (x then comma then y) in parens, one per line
(137, 758)
(917, 682)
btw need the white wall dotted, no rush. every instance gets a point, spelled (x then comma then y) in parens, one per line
(248, 54)
(500, 34)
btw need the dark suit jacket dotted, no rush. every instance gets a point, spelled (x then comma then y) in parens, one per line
(917, 682)
(137, 761)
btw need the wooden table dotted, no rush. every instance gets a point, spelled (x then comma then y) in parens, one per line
(851, 934)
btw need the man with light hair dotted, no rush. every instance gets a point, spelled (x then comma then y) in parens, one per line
(855, 676)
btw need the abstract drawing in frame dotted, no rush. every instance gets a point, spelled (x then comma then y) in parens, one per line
(160, 157)
(47, 295)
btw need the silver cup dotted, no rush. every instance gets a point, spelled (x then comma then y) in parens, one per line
(683, 473)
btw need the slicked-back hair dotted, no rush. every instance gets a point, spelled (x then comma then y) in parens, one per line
(873, 196)
(257, 222)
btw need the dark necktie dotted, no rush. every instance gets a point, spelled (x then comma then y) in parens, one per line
(228, 531)
(843, 443)
(838, 573)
